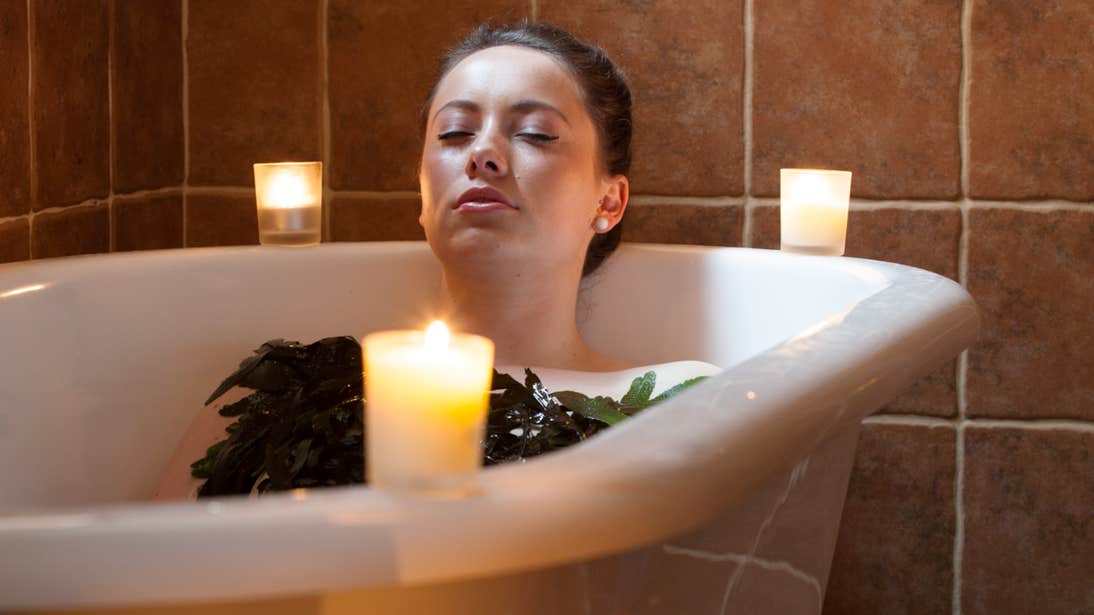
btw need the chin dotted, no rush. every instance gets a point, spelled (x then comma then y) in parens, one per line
(473, 245)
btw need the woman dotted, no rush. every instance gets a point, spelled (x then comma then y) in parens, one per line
(523, 182)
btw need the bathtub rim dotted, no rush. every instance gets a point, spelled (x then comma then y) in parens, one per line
(427, 544)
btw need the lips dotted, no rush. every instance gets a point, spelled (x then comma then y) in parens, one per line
(483, 198)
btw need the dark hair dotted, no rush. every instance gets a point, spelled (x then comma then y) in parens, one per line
(606, 95)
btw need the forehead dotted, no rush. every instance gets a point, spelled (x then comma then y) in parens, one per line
(508, 74)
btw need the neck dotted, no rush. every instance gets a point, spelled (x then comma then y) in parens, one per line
(530, 317)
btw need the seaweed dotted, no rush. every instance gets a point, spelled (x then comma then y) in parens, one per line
(303, 426)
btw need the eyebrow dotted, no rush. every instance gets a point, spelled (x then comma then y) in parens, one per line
(524, 106)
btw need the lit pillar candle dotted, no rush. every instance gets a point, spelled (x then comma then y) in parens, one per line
(290, 202)
(426, 398)
(813, 210)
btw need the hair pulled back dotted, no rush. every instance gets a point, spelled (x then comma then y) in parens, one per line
(606, 95)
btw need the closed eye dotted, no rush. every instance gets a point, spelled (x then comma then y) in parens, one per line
(454, 134)
(538, 136)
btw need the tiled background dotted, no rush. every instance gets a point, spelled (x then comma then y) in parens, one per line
(132, 124)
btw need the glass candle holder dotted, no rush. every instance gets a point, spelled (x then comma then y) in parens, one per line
(427, 395)
(813, 206)
(289, 196)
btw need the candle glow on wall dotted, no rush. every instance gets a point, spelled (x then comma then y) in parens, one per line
(289, 196)
(813, 206)
(427, 395)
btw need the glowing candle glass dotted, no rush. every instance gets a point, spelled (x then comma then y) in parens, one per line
(290, 202)
(426, 397)
(813, 210)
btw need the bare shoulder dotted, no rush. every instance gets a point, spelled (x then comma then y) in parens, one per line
(206, 429)
(615, 383)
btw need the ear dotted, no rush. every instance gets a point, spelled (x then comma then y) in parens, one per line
(616, 193)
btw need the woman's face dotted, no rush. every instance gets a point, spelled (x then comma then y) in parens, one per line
(510, 174)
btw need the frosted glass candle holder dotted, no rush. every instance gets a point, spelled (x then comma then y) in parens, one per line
(813, 206)
(289, 196)
(427, 395)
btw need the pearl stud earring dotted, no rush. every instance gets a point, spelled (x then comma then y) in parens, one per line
(601, 223)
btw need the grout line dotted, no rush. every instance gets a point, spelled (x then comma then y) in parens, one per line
(710, 201)
(1046, 206)
(963, 249)
(963, 95)
(324, 102)
(168, 190)
(746, 121)
(858, 204)
(15, 218)
(908, 420)
(746, 98)
(866, 205)
(112, 140)
(958, 516)
(962, 375)
(97, 200)
(221, 190)
(32, 142)
(979, 423)
(963, 279)
(185, 26)
(92, 202)
(746, 226)
(370, 194)
(1032, 424)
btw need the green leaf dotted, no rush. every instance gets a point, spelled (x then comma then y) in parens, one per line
(602, 409)
(245, 368)
(203, 468)
(300, 455)
(677, 389)
(639, 394)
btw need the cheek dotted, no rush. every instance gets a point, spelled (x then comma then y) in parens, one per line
(567, 188)
(434, 176)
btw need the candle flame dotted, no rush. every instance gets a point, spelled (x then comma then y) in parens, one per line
(436, 337)
(287, 189)
(814, 186)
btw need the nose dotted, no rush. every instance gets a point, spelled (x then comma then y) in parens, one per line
(486, 157)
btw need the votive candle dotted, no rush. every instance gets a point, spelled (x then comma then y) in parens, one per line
(289, 196)
(426, 399)
(813, 210)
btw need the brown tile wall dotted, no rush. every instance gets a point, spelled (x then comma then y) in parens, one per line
(92, 144)
(14, 120)
(890, 117)
(147, 95)
(254, 80)
(374, 142)
(685, 61)
(69, 101)
(895, 549)
(132, 125)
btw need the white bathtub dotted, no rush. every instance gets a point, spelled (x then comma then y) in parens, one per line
(725, 499)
